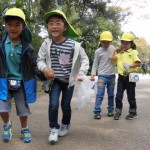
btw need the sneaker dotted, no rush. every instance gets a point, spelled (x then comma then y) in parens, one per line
(26, 135)
(110, 114)
(131, 116)
(97, 116)
(63, 130)
(117, 116)
(53, 137)
(7, 133)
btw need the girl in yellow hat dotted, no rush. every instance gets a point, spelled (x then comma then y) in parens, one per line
(127, 60)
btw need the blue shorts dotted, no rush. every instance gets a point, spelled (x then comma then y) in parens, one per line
(22, 108)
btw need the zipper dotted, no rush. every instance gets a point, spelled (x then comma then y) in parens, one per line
(4, 59)
(22, 62)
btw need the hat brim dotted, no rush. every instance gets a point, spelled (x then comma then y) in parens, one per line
(26, 34)
(71, 33)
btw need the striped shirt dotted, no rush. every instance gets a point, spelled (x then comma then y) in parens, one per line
(61, 58)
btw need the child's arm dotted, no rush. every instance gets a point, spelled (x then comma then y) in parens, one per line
(84, 60)
(34, 67)
(112, 56)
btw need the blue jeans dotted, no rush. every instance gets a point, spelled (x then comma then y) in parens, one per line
(107, 81)
(67, 93)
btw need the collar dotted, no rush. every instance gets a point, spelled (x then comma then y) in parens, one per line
(128, 51)
(8, 41)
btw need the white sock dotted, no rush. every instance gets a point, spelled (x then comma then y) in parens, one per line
(9, 123)
(25, 128)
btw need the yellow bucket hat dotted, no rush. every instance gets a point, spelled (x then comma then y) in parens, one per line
(17, 12)
(71, 33)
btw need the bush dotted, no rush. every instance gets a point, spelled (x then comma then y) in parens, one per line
(36, 42)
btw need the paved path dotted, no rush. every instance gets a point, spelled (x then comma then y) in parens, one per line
(87, 133)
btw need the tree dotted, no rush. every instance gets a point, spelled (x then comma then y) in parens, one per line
(143, 49)
(89, 18)
(3, 6)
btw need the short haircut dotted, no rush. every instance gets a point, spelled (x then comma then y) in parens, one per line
(7, 18)
(58, 16)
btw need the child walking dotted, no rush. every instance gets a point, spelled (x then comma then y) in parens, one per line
(105, 68)
(17, 73)
(62, 60)
(127, 60)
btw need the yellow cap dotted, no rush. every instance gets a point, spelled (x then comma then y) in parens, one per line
(127, 37)
(15, 12)
(106, 36)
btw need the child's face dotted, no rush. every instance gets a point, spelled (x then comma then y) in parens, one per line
(56, 27)
(105, 44)
(14, 28)
(125, 45)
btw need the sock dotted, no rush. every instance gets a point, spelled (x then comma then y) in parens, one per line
(25, 128)
(9, 123)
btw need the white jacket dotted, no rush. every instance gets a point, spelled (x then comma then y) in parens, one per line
(80, 60)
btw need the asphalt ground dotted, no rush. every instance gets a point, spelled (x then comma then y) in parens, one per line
(87, 133)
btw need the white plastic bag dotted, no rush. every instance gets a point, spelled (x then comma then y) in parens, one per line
(85, 92)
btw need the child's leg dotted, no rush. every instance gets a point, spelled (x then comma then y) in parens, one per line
(5, 117)
(24, 121)
(5, 109)
(23, 111)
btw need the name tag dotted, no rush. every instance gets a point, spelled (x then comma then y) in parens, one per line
(14, 84)
(133, 77)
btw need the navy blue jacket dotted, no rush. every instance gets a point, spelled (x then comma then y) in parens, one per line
(29, 72)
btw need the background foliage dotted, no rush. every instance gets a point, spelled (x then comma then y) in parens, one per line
(89, 18)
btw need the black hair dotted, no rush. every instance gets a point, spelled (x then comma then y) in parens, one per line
(100, 45)
(133, 45)
(64, 21)
(7, 18)
(58, 16)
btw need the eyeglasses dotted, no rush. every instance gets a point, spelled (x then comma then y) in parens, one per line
(57, 24)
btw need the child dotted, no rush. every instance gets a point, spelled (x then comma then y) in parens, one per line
(17, 69)
(106, 74)
(62, 60)
(127, 61)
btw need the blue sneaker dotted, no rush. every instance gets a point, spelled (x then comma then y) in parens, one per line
(26, 135)
(7, 134)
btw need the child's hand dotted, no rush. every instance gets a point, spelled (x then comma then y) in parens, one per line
(126, 65)
(79, 76)
(119, 49)
(92, 78)
(49, 73)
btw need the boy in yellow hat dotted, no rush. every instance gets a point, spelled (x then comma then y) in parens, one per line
(17, 72)
(106, 70)
(127, 60)
(62, 60)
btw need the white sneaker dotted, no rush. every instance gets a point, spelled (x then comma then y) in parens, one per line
(53, 137)
(63, 130)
